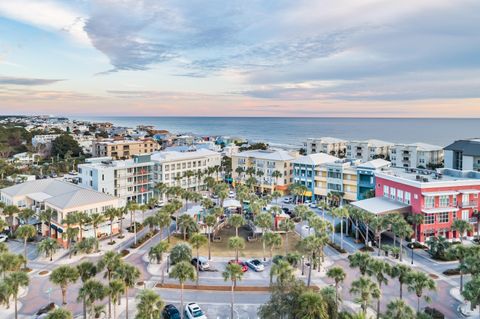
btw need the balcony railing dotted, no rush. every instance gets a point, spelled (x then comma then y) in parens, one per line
(473, 203)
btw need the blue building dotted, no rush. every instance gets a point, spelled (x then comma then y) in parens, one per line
(366, 176)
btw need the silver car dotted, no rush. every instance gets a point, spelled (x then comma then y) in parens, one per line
(255, 264)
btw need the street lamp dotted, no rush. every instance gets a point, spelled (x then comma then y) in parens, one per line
(303, 265)
(413, 241)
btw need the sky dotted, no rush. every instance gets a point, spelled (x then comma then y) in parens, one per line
(302, 58)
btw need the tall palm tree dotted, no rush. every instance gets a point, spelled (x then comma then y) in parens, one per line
(234, 273)
(272, 240)
(461, 253)
(10, 211)
(210, 221)
(398, 309)
(265, 222)
(379, 269)
(416, 220)
(156, 253)
(26, 214)
(25, 232)
(185, 222)
(402, 230)
(82, 220)
(129, 275)
(239, 170)
(342, 213)
(461, 226)
(115, 291)
(359, 260)
(282, 271)
(64, 276)
(96, 219)
(308, 246)
(48, 246)
(401, 272)
(91, 291)
(418, 282)
(15, 281)
(132, 207)
(198, 240)
(86, 270)
(338, 275)
(236, 243)
(366, 289)
(236, 221)
(149, 305)
(312, 305)
(111, 214)
(379, 224)
(164, 221)
(143, 208)
(111, 261)
(182, 271)
(275, 175)
(287, 226)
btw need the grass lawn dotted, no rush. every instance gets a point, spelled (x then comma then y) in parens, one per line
(252, 249)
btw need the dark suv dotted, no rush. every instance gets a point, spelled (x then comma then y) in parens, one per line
(170, 312)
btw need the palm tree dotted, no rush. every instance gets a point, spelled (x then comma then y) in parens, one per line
(461, 252)
(472, 292)
(265, 222)
(198, 240)
(312, 305)
(287, 226)
(461, 226)
(185, 222)
(5, 294)
(10, 211)
(164, 220)
(366, 289)
(402, 230)
(182, 271)
(156, 253)
(63, 276)
(10, 263)
(308, 246)
(143, 208)
(110, 262)
(417, 282)
(342, 213)
(416, 220)
(338, 275)
(96, 219)
(59, 313)
(111, 214)
(401, 272)
(398, 309)
(234, 273)
(115, 290)
(129, 275)
(221, 190)
(86, 270)
(239, 170)
(379, 270)
(48, 246)
(359, 260)
(272, 240)
(82, 219)
(276, 175)
(15, 281)
(210, 221)
(236, 243)
(26, 214)
(283, 272)
(91, 291)
(132, 207)
(25, 232)
(236, 221)
(149, 305)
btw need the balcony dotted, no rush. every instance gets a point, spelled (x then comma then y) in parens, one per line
(468, 204)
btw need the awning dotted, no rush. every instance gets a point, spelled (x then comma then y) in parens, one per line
(469, 191)
(381, 205)
(230, 202)
(439, 210)
(444, 193)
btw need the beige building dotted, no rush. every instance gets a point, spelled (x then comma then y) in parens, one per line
(329, 145)
(123, 149)
(267, 162)
(368, 150)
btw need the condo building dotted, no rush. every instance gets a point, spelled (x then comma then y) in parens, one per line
(366, 177)
(368, 150)
(329, 145)
(417, 155)
(272, 169)
(463, 155)
(123, 149)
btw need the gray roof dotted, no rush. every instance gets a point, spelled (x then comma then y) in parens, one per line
(467, 147)
(380, 205)
(58, 193)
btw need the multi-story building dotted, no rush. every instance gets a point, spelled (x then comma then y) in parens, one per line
(440, 196)
(417, 155)
(131, 180)
(329, 145)
(85, 142)
(338, 177)
(275, 167)
(367, 150)
(45, 140)
(171, 167)
(463, 155)
(62, 198)
(366, 177)
(123, 149)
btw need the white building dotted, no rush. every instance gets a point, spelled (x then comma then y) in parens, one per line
(46, 139)
(368, 150)
(328, 145)
(463, 155)
(171, 166)
(85, 142)
(415, 155)
(25, 158)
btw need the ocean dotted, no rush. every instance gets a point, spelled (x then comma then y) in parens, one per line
(292, 132)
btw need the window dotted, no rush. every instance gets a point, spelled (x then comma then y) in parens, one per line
(444, 201)
(392, 193)
(408, 198)
(429, 219)
(465, 198)
(443, 217)
(385, 191)
(429, 201)
(399, 195)
(466, 214)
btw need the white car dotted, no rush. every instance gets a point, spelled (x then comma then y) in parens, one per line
(255, 264)
(231, 194)
(193, 311)
(3, 238)
(313, 205)
(287, 200)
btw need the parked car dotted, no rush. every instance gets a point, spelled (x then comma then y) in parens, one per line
(193, 311)
(313, 205)
(170, 312)
(43, 312)
(202, 263)
(231, 194)
(241, 263)
(3, 238)
(160, 203)
(287, 200)
(255, 264)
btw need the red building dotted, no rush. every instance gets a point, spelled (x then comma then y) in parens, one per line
(441, 197)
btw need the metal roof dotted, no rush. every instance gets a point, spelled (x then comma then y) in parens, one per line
(380, 205)
(467, 147)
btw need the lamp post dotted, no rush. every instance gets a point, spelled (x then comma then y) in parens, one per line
(303, 265)
(413, 241)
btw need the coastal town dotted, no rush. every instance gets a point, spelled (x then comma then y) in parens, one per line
(102, 221)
